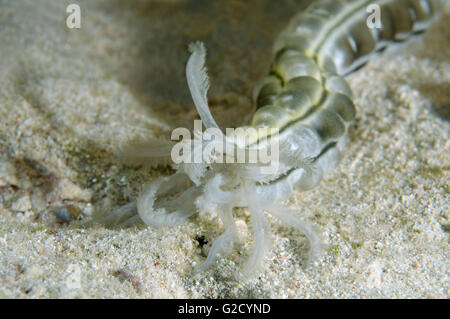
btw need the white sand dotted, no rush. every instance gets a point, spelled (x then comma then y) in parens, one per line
(70, 98)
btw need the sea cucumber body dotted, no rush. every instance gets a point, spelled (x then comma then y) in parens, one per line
(319, 46)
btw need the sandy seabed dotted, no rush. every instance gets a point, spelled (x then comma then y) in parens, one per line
(70, 98)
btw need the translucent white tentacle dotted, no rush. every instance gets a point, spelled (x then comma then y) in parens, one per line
(198, 82)
(224, 241)
(219, 246)
(226, 215)
(163, 203)
(213, 195)
(288, 216)
(254, 262)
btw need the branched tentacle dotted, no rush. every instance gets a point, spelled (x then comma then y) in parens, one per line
(289, 217)
(261, 238)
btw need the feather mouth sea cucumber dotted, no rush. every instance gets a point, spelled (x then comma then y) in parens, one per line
(306, 102)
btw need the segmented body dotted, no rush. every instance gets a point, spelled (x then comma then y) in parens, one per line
(305, 99)
(312, 54)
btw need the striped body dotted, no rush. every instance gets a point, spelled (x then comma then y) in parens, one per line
(331, 38)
